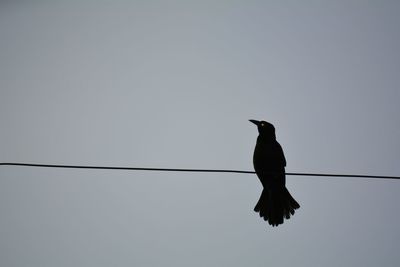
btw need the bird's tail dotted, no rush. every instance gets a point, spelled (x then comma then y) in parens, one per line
(276, 205)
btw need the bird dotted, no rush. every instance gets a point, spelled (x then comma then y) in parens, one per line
(275, 203)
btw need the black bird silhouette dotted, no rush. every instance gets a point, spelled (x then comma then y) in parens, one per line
(275, 203)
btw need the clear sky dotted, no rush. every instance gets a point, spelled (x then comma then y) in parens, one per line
(173, 84)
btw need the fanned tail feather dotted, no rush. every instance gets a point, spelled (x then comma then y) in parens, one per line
(276, 205)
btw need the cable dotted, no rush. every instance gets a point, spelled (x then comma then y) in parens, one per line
(188, 170)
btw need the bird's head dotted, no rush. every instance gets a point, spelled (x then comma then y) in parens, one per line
(265, 128)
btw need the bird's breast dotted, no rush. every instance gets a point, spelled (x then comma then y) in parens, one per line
(266, 157)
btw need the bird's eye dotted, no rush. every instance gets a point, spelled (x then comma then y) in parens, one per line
(262, 124)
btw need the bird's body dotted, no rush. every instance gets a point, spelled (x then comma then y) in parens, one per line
(275, 203)
(268, 157)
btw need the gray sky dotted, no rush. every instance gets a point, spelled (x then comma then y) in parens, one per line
(173, 84)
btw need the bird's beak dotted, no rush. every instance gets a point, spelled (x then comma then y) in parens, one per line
(255, 122)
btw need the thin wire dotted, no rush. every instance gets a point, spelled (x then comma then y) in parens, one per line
(188, 170)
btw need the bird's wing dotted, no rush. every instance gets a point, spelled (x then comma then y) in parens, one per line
(280, 155)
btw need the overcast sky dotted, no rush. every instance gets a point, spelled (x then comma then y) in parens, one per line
(173, 84)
